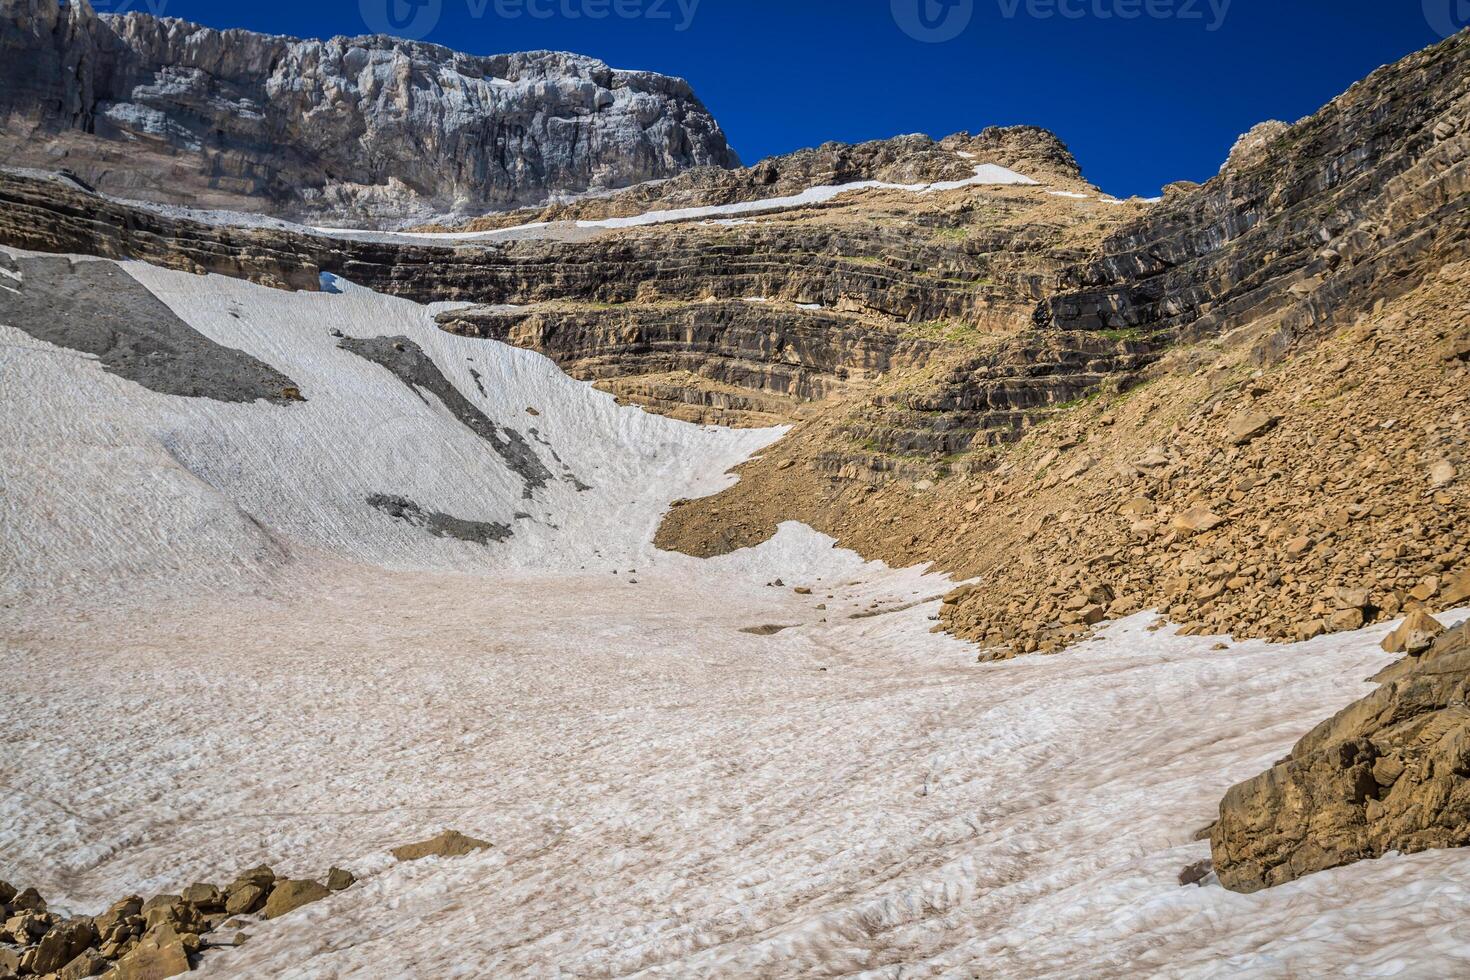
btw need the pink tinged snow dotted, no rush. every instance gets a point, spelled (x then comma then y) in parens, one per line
(215, 655)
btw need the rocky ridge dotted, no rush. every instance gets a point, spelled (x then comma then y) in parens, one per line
(1246, 448)
(915, 159)
(364, 129)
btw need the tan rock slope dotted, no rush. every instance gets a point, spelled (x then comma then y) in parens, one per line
(1282, 452)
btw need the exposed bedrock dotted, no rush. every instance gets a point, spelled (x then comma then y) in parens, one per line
(993, 279)
(407, 362)
(991, 397)
(1389, 773)
(96, 308)
(805, 354)
(913, 159)
(372, 127)
(1356, 201)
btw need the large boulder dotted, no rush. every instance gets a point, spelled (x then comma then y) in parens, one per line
(451, 843)
(1389, 773)
(288, 896)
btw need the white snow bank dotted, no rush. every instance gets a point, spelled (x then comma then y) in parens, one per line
(985, 174)
(669, 794)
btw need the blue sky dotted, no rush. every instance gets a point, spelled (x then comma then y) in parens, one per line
(1144, 91)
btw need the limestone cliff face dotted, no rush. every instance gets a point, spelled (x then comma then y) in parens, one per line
(1351, 205)
(368, 128)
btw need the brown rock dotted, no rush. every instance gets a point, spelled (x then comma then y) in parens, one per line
(1456, 591)
(1389, 773)
(451, 843)
(1415, 635)
(63, 944)
(1297, 547)
(340, 880)
(245, 899)
(1197, 520)
(1249, 426)
(9, 961)
(288, 896)
(88, 963)
(29, 900)
(1345, 621)
(1425, 590)
(159, 954)
(206, 898)
(109, 920)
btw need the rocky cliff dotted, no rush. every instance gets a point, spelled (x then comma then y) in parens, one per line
(362, 129)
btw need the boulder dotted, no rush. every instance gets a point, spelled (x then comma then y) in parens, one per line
(88, 963)
(1456, 592)
(245, 899)
(29, 900)
(1389, 773)
(206, 898)
(288, 896)
(63, 944)
(1415, 635)
(161, 953)
(451, 843)
(1249, 426)
(1197, 520)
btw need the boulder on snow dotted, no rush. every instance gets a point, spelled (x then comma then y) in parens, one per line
(451, 843)
(1389, 773)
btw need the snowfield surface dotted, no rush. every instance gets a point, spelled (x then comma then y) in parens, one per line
(215, 653)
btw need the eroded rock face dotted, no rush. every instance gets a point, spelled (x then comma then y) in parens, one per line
(1389, 773)
(1347, 207)
(781, 348)
(372, 128)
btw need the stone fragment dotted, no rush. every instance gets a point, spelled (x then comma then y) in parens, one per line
(29, 900)
(1197, 520)
(1441, 474)
(63, 944)
(1249, 426)
(339, 880)
(290, 895)
(451, 843)
(87, 963)
(245, 899)
(1416, 635)
(205, 897)
(1456, 591)
(1346, 620)
(161, 953)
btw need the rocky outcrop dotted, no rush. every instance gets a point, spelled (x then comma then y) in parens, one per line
(904, 160)
(1389, 773)
(1346, 208)
(778, 348)
(351, 129)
